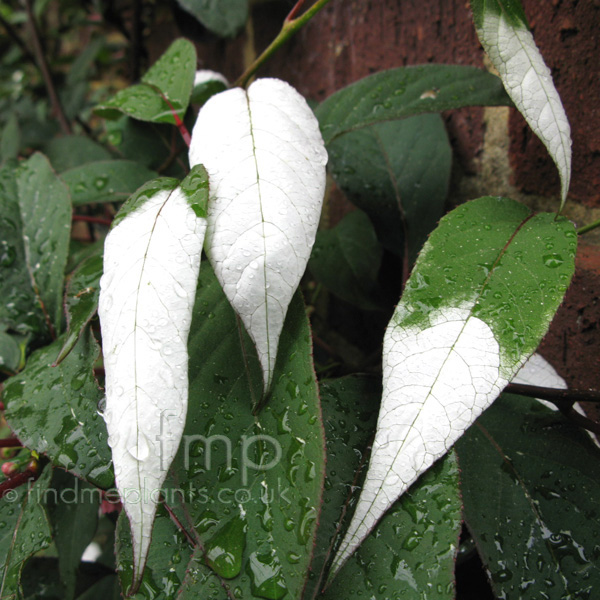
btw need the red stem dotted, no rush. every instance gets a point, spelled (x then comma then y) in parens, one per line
(17, 480)
(295, 10)
(10, 443)
(89, 219)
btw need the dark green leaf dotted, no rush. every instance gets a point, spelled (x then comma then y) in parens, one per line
(35, 230)
(81, 301)
(11, 352)
(411, 552)
(530, 486)
(223, 17)
(407, 91)
(10, 139)
(24, 530)
(54, 410)
(203, 91)
(349, 416)
(72, 506)
(398, 173)
(73, 151)
(105, 181)
(346, 260)
(165, 88)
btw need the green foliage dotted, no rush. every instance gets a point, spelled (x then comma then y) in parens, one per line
(263, 487)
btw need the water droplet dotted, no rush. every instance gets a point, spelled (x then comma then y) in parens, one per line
(553, 260)
(224, 550)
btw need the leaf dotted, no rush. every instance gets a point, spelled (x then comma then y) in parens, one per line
(10, 139)
(530, 486)
(478, 302)
(406, 91)
(35, 229)
(24, 530)
(11, 352)
(412, 551)
(53, 410)
(223, 17)
(206, 84)
(398, 173)
(505, 36)
(269, 466)
(151, 262)
(81, 301)
(72, 151)
(346, 259)
(72, 507)
(266, 163)
(105, 181)
(165, 89)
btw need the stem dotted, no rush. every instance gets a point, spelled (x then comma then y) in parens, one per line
(17, 39)
(17, 480)
(10, 443)
(580, 420)
(589, 227)
(290, 26)
(90, 219)
(44, 69)
(552, 394)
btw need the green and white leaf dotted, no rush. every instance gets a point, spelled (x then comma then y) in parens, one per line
(266, 162)
(151, 263)
(502, 29)
(480, 298)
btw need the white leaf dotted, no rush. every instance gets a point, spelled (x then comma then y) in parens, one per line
(206, 75)
(266, 163)
(436, 382)
(151, 264)
(538, 371)
(528, 81)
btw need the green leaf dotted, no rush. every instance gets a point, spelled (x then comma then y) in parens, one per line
(406, 91)
(165, 88)
(11, 352)
(148, 144)
(10, 139)
(24, 530)
(105, 181)
(53, 410)
(35, 229)
(73, 151)
(223, 17)
(346, 260)
(398, 173)
(206, 89)
(479, 300)
(349, 418)
(411, 552)
(226, 473)
(72, 507)
(530, 486)
(81, 301)
(195, 187)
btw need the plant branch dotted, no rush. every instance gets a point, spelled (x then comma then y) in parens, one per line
(42, 64)
(291, 26)
(579, 419)
(10, 443)
(92, 219)
(17, 481)
(589, 227)
(17, 39)
(553, 394)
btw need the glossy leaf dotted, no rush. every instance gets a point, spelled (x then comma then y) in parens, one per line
(478, 302)
(36, 224)
(398, 173)
(266, 162)
(105, 181)
(530, 484)
(412, 551)
(24, 530)
(72, 151)
(404, 92)
(81, 301)
(151, 262)
(10, 138)
(53, 410)
(164, 89)
(223, 17)
(11, 353)
(226, 474)
(346, 260)
(505, 36)
(206, 84)
(72, 507)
